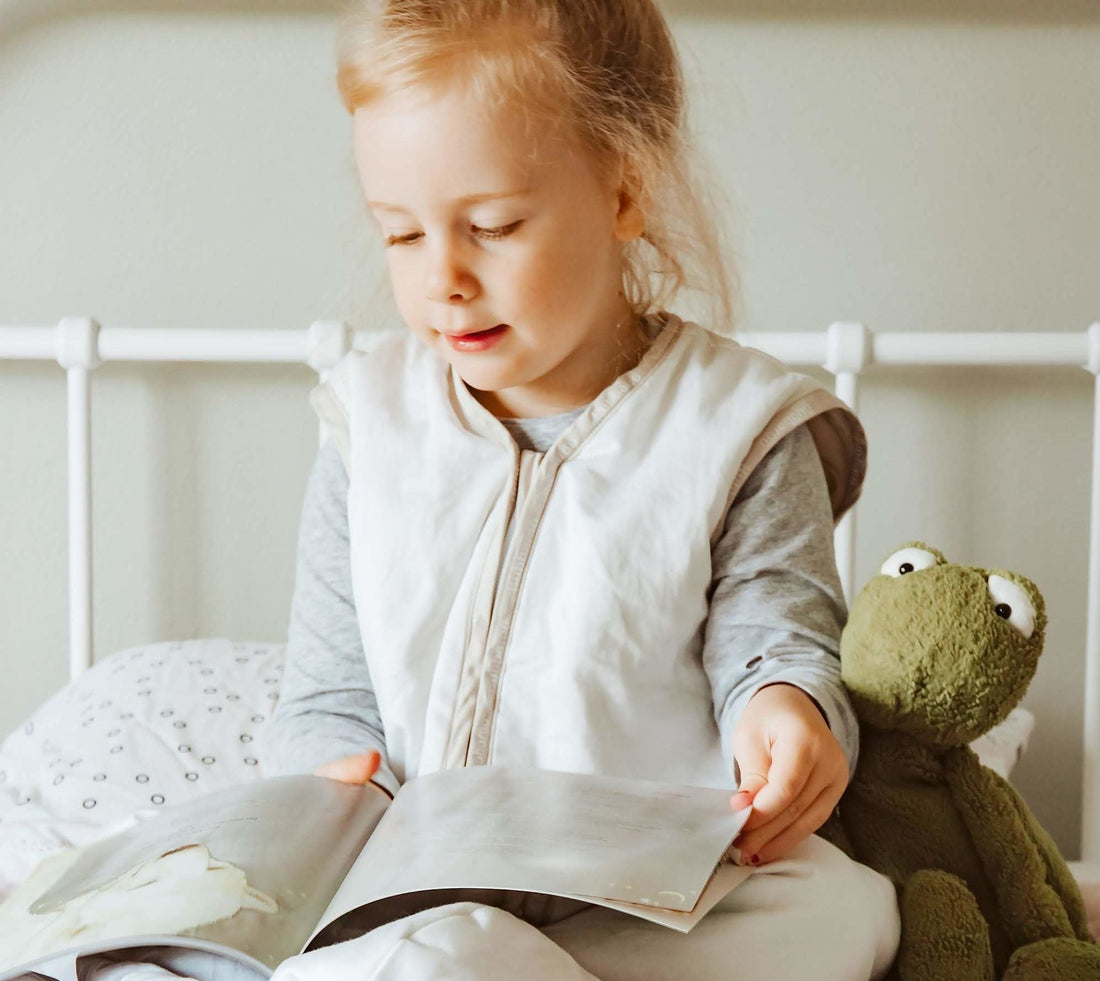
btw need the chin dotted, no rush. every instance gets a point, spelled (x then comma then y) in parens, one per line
(481, 377)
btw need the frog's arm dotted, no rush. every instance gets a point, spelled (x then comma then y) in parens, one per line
(1034, 888)
(1058, 873)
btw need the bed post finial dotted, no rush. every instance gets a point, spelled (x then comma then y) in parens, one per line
(1093, 364)
(78, 343)
(847, 348)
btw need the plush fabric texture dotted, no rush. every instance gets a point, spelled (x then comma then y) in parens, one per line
(145, 727)
(935, 654)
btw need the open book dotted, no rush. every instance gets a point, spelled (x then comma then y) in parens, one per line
(265, 870)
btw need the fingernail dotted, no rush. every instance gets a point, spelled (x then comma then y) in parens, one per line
(741, 799)
(755, 860)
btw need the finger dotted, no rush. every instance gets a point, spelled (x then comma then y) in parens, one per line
(791, 768)
(812, 818)
(373, 762)
(751, 783)
(754, 840)
(357, 769)
(753, 762)
(741, 800)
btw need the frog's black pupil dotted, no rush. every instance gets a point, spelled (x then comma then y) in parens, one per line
(905, 567)
(1003, 610)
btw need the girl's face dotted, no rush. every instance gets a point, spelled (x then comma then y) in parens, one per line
(489, 227)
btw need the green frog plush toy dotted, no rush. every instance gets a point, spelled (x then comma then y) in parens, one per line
(934, 655)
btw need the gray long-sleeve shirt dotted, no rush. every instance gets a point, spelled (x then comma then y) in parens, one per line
(776, 608)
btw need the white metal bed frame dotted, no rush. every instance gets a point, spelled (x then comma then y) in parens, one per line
(80, 345)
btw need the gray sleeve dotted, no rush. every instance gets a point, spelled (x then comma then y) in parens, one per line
(327, 708)
(777, 607)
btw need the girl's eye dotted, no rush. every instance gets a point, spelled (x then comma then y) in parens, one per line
(492, 233)
(402, 239)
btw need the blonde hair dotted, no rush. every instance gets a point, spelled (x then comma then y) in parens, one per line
(607, 68)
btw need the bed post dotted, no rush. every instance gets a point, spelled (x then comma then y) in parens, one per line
(1090, 786)
(78, 353)
(848, 352)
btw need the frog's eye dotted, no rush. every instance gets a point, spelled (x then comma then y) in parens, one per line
(1011, 603)
(907, 560)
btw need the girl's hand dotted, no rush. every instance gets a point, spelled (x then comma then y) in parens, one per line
(793, 771)
(357, 769)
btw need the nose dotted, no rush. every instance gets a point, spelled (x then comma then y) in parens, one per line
(450, 278)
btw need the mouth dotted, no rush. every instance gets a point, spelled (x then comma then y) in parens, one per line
(477, 340)
(472, 334)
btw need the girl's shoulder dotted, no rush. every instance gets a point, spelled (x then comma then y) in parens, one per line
(725, 350)
(331, 398)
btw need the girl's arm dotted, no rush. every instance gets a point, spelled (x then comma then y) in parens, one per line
(777, 607)
(327, 710)
(776, 614)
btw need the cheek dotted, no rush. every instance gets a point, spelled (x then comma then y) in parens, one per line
(586, 255)
(409, 303)
(534, 281)
(553, 274)
(403, 281)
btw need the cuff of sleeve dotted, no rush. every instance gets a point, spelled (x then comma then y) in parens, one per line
(308, 751)
(385, 779)
(837, 709)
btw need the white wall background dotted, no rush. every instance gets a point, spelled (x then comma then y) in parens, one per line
(918, 166)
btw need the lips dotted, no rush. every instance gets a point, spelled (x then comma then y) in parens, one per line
(477, 340)
(478, 333)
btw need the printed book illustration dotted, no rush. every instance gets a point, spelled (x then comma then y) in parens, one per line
(265, 870)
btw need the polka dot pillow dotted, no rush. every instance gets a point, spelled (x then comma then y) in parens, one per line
(144, 728)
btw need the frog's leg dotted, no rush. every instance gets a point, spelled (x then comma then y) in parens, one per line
(944, 936)
(1057, 959)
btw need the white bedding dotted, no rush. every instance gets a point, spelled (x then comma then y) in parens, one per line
(144, 728)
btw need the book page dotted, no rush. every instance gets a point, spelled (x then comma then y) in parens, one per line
(726, 878)
(608, 840)
(249, 868)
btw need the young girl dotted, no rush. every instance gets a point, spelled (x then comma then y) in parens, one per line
(557, 526)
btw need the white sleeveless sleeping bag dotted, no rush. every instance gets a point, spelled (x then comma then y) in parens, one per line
(548, 609)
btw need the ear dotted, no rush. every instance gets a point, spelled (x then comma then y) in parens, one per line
(629, 217)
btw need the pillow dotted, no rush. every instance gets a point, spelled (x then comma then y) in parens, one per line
(143, 728)
(1002, 746)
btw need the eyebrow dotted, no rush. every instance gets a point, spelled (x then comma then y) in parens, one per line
(465, 199)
